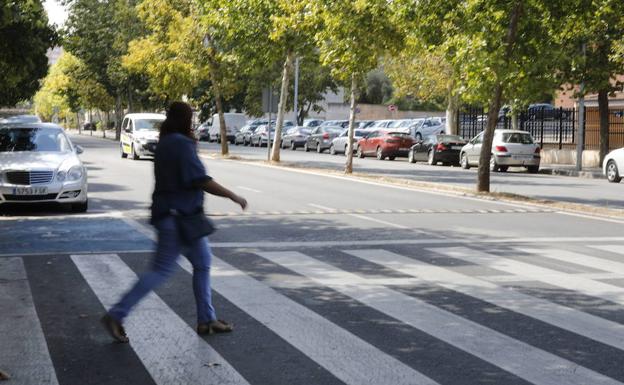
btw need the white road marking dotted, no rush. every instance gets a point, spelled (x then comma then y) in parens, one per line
(24, 349)
(366, 218)
(577, 259)
(170, 350)
(536, 273)
(346, 356)
(249, 189)
(616, 249)
(578, 322)
(519, 358)
(514, 278)
(100, 214)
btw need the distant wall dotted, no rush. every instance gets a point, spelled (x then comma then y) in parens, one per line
(371, 112)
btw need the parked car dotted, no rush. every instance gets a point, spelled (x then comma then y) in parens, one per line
(544, 111)
(312, 122)
(509, 148)
(379, 124)
(39, 163)
(202, 131)
(244, 134)
(321, 137)
(260, 136)
(89, 126)
(233, 122)
(139, 134)
(361, 124)
(296, 137)
(385, 144)
(423, 128)
(437, 148)
(339, 144)
(612, 164)
(334, 123)
(16, 119)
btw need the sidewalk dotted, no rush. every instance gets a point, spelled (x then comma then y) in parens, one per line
(570, 170)
(110, 134)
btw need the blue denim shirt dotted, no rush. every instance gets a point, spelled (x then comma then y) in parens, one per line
(179, 175)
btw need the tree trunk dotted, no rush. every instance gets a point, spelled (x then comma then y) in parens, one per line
(118, 116)
(483, 181)
(452, 123)
(222, 128)
(514, 121)
(281, 109)
(603, 111)
(349, 164)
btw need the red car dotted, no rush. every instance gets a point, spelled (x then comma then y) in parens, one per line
(385, 144)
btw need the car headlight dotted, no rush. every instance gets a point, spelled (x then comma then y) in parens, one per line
(61, 176)
(75, 173)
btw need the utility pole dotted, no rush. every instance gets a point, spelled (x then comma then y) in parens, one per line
(296, 104)
(580, 144)
(269, 126)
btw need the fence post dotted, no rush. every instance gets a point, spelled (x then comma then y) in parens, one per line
(560, 127)
(542, 129)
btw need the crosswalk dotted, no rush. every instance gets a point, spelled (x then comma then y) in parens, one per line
(385, 314)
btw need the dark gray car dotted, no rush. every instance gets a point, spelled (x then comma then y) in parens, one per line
(295, 137)
(321, 137)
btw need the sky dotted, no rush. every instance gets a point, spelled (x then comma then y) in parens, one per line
(56, 13)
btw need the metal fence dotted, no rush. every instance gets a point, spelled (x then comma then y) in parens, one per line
(553, 128)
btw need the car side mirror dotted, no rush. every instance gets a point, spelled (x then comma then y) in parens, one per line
(79, 150)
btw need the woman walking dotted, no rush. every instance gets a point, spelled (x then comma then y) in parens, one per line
(181, 181)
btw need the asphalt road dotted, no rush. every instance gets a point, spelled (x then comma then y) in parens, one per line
(328, 280)
(595, 192)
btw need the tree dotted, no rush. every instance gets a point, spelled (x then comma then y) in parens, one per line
(25, 38)
(377, 87)
(352, 38)
(315, 81)
(591, 34)
(503, 50)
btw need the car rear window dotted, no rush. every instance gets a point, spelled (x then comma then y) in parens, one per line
(517, 137)
(399, 134)
(450, 138)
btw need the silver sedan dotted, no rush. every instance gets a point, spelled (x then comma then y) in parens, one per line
(339, 144)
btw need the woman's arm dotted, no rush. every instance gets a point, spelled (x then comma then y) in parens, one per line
(214, 188)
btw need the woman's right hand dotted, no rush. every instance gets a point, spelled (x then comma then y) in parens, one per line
(242, 202)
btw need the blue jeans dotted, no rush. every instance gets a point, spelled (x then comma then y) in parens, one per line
(164, 265)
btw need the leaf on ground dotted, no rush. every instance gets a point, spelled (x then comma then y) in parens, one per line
(212, 364)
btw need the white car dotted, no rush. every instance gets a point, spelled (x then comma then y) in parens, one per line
(139, 134)
(38, 163)
(612, 164)
(339, 144)
(510, 148)
(422, 128)
(233, 123)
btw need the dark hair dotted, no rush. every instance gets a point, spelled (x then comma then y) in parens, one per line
(179, 120)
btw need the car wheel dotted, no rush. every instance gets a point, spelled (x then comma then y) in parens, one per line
(233, 141)
(293, 146)
(133, 153)
(503, 168)
(431, 160)
(493, 164)
(123, 154)
(306, 148)
(80, 207)
(318, 148)
(380, 155)
(360, 153)
(463, 162)
(410, 157)
(332, 150)
(392, 157)
(613, 174)
(418, 136)
(533, 169)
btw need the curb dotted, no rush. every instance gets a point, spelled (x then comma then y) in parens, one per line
(573, 173)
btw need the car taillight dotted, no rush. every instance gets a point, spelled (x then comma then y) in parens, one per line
(501, 149)
(392, 140)
(326, 136)
(537, 150)
(441, 147)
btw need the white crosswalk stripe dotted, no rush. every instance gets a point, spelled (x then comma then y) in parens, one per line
(616, 249)
(170, 350)
(346, 356)
(578, 322)
(576, 258)
(23, 348)
(536, 273)
(519, 358)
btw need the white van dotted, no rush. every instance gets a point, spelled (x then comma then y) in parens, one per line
(139, 134)
(233, 122)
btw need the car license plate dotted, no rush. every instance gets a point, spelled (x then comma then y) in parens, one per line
(403, 149)
(456, 147)
(522, 157)
(30, 190)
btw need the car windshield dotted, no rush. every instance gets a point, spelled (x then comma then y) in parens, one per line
(399, 134)
(517, 137)
(148, 124)
(360, 133)
(21, 119)
(450, 138)
(333, 130)
(33, 140)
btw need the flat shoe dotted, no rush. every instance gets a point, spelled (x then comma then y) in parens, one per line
(115, 329)
(213, 327)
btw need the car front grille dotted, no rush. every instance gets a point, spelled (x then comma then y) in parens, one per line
(22, 198)
(29, 177)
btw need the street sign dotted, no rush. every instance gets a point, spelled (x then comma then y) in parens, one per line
(393, 107)
(269, 104)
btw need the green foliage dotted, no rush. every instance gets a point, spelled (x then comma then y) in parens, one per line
(377, 88)
(24, 39)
